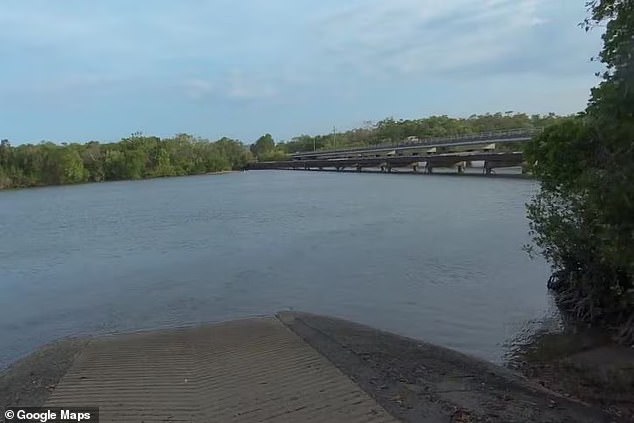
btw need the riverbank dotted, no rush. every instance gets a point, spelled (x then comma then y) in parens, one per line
(222, 172)
(412, 380)
(147, 178)
(584, 365)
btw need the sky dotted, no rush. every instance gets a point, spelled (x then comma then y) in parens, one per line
(78, 70)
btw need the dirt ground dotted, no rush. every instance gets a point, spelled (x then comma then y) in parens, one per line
(588, 367)
(419, 382)
(30, 381)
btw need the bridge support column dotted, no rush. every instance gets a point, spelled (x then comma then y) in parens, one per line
(488, 169)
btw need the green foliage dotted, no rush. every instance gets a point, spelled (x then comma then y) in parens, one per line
(274, 155)
(390, 130)
(560, 153)
(266, 150)
(263, 146)
(135, 157)
(582, 219)
(70, 166)
(233, 152)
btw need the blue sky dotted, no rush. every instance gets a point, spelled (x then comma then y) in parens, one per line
(77, 70)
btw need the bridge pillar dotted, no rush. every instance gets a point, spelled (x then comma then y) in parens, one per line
(488, 169)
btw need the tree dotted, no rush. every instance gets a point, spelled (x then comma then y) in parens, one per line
(5, 152)
(274, 155)
(134, 157)
(114, 165)
(582, 219)
(93, 157)
(265, 144)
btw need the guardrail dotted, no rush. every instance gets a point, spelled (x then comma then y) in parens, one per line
(484, 136)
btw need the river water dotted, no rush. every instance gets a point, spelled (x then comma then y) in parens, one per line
(433, 257)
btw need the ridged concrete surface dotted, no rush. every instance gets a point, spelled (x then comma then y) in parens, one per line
(246, 371)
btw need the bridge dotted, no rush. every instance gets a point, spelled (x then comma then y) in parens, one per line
(457, 152)
(491, 160)
(414, 146)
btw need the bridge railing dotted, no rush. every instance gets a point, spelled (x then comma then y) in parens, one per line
(484, 136)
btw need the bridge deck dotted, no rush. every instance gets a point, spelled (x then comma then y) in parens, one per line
(246, 371)
(494, 159)
(495, 137)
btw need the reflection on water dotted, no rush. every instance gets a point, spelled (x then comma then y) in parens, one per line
(530, 335)
(433, 257)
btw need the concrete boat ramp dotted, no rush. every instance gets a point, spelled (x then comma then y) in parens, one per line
(246, 371)
(293, 367)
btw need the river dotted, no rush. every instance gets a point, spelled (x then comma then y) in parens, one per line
(434, 257)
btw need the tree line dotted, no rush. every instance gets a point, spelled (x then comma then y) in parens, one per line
(139, 156)
(134, 157)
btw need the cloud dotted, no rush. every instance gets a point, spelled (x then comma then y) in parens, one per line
(197, 89)
(274, 39)
(62, 89)
(428, 37)
(243, 87)
(166, 63)
(235, 85)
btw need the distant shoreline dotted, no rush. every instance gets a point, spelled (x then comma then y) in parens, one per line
(222, 172)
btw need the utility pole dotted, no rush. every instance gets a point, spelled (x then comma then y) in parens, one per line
(334, 137)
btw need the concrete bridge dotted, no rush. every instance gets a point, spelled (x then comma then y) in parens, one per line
(415, 147)
(416, 163)
(459, 152)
